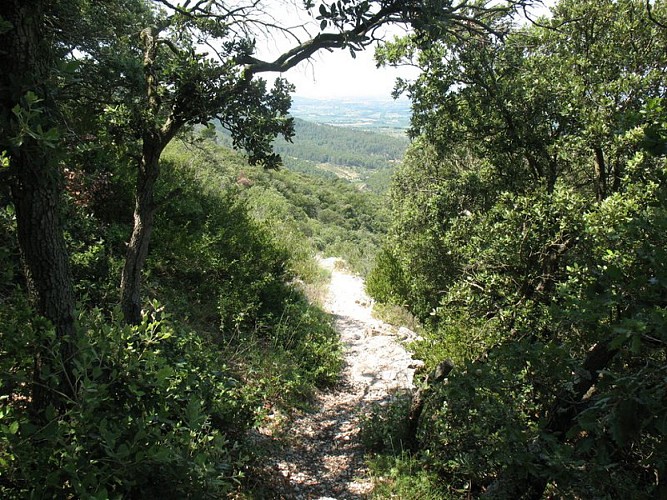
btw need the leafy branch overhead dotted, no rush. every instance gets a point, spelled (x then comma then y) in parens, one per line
(351, 24)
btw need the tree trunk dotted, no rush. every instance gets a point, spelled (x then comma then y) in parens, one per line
(144, 214)
(154, 139)
(144, 196)
(600, 174)
(617, 175)
(35, 186)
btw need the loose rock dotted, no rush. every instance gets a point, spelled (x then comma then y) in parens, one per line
(323, 458)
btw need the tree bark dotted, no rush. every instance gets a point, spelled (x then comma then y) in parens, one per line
(600, 174)
(35, 186)
(144, 195)
(137, 248)
(154, 140)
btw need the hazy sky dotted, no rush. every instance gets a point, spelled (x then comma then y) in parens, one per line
(330, 74)
(336, 74)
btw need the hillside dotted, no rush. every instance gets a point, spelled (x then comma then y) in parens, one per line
(163, 331)
(365, 158)
(359, 156)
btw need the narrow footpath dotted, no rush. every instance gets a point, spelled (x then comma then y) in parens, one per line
(323, 458)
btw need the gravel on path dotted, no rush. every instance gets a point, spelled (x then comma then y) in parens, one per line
(321, 456)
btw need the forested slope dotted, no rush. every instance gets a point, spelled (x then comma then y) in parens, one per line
(367, 158)
(320, 215)
(153, 305)
(223, 339)
(346, 147)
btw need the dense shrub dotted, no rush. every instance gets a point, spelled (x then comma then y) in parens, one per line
(530, 227)
(157, 413)
(386, 281)
(163, 408)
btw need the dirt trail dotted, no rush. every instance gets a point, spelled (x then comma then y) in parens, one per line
(323, 458)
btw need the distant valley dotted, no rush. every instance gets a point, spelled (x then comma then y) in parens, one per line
(363, 157)
(372, 113)
(358, 141)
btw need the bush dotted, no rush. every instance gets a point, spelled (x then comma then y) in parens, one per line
(384, 427)
(386, 281)
(156, 415)
(548, 279)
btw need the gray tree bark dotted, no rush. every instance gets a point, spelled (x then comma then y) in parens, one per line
(36, 187)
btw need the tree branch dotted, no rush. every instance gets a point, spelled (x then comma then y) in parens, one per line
(306, 49)
(651, 17)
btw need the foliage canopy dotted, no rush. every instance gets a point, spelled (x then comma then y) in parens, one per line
(528, 234)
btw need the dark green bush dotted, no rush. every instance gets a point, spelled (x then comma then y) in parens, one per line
(520, 325)
(386, 281)
(156, 415)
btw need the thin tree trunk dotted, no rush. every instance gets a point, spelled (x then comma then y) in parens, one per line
(618, 175)
(600, 174)
(35, 187)
(437, 376)
(155, 139)
(144, 215)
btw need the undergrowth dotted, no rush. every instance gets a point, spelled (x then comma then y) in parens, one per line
(403, 476)
(163, 409)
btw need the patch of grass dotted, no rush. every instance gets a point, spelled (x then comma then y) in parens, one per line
(290, 356)
(403, 476)
(315, 285)
(384, 427)
(397, 316)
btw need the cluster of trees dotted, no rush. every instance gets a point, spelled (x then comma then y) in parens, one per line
(528, 234)
(342, 146)
(332, 152)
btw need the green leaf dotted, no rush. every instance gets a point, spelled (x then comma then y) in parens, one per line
(32, 98)
(4, 160)
(13, 427)
(162, 374)
(123, 451)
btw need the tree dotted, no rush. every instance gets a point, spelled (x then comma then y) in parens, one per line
(543, 103)
(28, 138)
(183, 87)
(533, 205)
(534, 107)
(146, 69)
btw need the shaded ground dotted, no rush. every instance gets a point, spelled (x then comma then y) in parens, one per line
(321, 457)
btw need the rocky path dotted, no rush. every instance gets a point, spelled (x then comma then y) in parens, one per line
(323, 458)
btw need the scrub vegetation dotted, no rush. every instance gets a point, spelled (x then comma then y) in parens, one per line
(157, 277)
